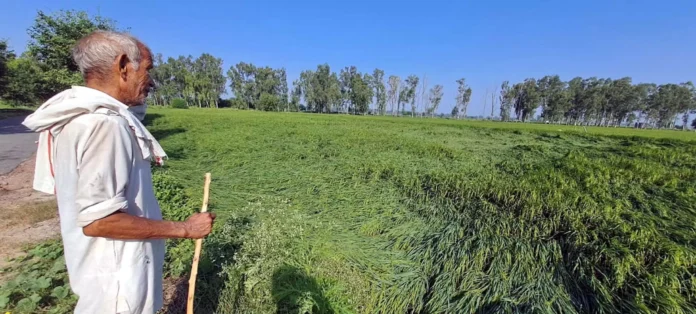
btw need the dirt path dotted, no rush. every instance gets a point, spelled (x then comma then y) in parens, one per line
(26, 216)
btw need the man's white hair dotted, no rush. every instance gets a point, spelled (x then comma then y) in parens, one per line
(96, 52)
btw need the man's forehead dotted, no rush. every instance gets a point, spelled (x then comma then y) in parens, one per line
(145, 52)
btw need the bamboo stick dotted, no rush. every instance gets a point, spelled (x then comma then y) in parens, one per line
(197, 251)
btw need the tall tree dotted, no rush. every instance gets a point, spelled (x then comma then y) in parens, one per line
(282, 89)
(6, 55)
(688, 104)
(527, 99)
(436, 94)
(52, 38)
(412, 84)
(668, 101)
(22, 85)
(643, 94)
(380, 91)
(393, 93)
(321, 89)
(463, 96)
(404, 93)
(506, 97)
(209, 82)
(242, 82)
(361, 93)
(346, 79)
(424, 97)
(455, 111)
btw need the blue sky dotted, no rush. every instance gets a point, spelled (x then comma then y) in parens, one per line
(484, 41)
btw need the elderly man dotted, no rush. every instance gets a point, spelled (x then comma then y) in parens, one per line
(95, 155)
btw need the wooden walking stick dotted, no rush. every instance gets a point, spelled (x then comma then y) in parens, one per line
(197, 251)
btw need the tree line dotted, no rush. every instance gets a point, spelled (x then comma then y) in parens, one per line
(46, 67)
(598, 101)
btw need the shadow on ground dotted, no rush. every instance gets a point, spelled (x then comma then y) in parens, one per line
(159, 134)
(295, 291)
(210, 283)
(11, 121)
(14, 112)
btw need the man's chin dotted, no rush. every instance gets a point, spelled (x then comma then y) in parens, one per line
(138, 111)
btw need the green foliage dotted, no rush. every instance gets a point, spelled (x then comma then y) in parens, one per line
(54, 35)
(380, 91)
(361, 93)
(199, 82)
(455, 112)
(363, 214)
(52, 39)
(393, 94)
(357, 90)
(320, 89)
(6, 55)
(463, 97)
(39, 282)
(250, 83)
(268, 102)
(178, 103)
(22, 83)
(176, 205)
(238, 103)
(411, 83)
(436, 94)
(46, 67)
(527, 97)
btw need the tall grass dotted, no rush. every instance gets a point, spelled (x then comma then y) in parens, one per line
(334, 214)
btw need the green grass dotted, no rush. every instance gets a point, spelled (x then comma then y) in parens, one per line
(344, 214)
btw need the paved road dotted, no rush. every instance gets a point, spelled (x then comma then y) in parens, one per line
(17, 143)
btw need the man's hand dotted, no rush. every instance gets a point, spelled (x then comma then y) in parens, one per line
(199, 225)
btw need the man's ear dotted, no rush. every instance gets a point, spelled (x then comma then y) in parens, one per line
(123, 61)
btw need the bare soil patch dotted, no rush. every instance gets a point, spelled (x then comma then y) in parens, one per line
(26, 216)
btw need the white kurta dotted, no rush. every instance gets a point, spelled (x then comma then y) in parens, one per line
(99, 169)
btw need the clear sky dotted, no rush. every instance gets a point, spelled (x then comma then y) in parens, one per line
(484, 41)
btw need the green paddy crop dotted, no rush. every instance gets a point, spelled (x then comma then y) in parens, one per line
(349, 214)
(345, 214)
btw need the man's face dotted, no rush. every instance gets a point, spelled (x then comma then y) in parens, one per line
(137, 83)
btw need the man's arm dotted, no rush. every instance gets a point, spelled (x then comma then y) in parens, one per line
(123, 226)
(104, 165)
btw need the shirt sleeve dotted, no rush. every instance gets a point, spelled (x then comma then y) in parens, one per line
(103, 168)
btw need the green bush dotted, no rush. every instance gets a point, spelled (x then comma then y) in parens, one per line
(177, 206)
(39, 283)
(268, 102)
(179, 103)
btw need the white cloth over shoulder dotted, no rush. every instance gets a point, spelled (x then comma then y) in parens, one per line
(56, 112)
(100, 167)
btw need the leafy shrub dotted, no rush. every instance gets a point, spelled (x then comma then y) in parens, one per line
(172, 198)
(40, 282)
(179, 103)
(177, 206)
(268, 102)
